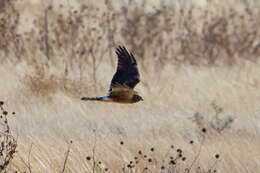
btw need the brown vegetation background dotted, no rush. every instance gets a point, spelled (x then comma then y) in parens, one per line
(199, 65)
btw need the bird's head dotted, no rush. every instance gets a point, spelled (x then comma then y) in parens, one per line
(137, 98)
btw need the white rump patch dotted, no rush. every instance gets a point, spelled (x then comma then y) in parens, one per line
(105, 98)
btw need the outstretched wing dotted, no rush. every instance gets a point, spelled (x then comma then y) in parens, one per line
(127, 72)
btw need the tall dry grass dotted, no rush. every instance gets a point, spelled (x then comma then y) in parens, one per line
(199, 68)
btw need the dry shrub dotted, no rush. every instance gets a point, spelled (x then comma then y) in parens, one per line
(76, 41)
(71, 37)
(8, 143)
(10, 41)
(154, 159)
(219, 121)
(169, 34)
(43, 85)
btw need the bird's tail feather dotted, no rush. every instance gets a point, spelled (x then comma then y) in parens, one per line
(104, 98)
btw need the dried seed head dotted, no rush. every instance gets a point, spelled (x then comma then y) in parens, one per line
(217, 156)
(184, 158)
(172, 162)
(191, 142)
(150, 160)
(162, 167)
(122, 143)
(1, 103)
(152, 149)
(5, 112)
(88, 158)
(204, 130)
(140, 152)
(179, 150)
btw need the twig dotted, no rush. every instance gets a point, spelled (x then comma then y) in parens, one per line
(197, 156)
(94, 150)
(215, 163)
(46, 36)
(17, 46)
(66, 158)
(28, 164)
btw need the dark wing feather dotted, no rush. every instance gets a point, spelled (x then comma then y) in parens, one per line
(127, 72)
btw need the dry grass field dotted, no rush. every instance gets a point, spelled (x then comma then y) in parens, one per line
(199, 66)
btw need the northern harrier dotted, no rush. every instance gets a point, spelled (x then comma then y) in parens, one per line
(124, 80)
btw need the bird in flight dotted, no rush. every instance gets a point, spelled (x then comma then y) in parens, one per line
(124, 80)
